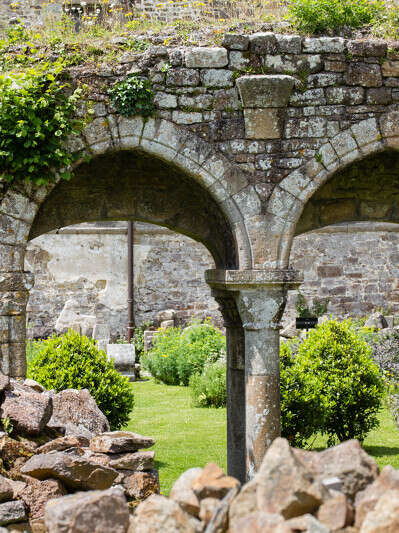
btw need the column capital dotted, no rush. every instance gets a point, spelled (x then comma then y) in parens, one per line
(238, 280)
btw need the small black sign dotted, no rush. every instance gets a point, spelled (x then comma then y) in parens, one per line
(306, 323)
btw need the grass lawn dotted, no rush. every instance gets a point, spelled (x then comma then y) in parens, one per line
(187, 436)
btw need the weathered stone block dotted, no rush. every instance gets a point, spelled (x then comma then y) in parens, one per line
(234, 41)
(367, 48)
(165, 100)
(206, 57)
(183, 77)
(307, 127)
(390, 124)
(262, 123)
(309, 97)
(293, 63)
(364, 74)
(217, 78)
(238, 60)
(343, 143)
(366, 132)
(265, 91)
(181, 117)
(263, 43)
(380, 96)
(331, 45)
(345, 95)
(390, 68)
(289, 44)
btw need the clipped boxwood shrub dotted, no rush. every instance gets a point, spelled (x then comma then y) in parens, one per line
(209, 388)
(340, 388)
(178, 354)
(72, 361)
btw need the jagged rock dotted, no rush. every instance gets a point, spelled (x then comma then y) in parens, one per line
(207, 507)
(213, 483)
(11, 512)
(366, 499)
(36, 494)
(77, 430)
(28, 411)
(183, 494)
(257, 523)
(100, 511)
(347, 461)
(120, 442)
(31, 383)
(74, 471)
(290, 331)
(13, 451)
(133, 461)
(385, 516)
(336, 513)
(6, 490)
(244, 504)
(63, 443)
(140, 485)
(306, 524)
(220, 519)
(285, 485)
(98, 458)
(77, 407)
(158, 513)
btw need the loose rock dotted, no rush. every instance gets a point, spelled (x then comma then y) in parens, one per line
(120, 442)
(11, 512)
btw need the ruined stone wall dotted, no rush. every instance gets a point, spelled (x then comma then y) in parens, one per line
(356, 266)
(88, 264)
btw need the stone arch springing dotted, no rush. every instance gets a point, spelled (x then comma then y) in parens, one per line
(287, 203)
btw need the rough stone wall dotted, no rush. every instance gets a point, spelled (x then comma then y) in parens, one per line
(355, 266)
(88, 264)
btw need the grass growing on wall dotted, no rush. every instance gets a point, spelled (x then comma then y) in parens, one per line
(187, 436)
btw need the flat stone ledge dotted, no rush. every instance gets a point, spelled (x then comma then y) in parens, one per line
(247, 279)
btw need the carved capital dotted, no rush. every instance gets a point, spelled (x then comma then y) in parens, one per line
(228, 307)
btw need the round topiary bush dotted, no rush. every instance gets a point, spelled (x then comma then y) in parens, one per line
(178, 354)
(331, 385)
(72, 361)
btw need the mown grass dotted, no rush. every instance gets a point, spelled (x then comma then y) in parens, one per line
(187, 436)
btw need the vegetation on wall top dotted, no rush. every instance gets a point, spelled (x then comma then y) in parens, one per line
(36, 117)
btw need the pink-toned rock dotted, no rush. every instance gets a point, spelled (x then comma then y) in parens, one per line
(140, 485)
(133, 461)
(159, 514)
(63, 443)
(34, 385)
(385, 516)
(336, 512)
(6, 490)
(213, 483)
(302, 524)
(285, 485)
(27, 410)
(347, 461)
(183, 494)
(244, 503)
(120, 442)
(366, 499)
(257, 523)
(74, 471)
(99, 511)
(14, 452)
(98, 458)
(77, 407)
(207, 507)
(36, 494)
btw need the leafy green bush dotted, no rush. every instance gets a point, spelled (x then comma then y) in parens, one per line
(209, 388)
(178, 354)
(133, 96)
(318, 16)
(332, 383)
(36, 117)
(72, 361)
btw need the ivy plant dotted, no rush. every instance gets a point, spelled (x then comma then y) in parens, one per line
(133, 96)
(36, 117)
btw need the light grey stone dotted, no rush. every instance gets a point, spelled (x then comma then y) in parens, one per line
(206, 57)
(216, 78)
(11, 512)
(265, 91)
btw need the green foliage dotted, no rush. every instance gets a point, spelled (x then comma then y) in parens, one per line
(318, 16)
(319, 307)
(331, 385)
(138, 339)
(72, 361)
(387, 24)
(36, 117)
(209, 388)
(178, 354)
(133, 96)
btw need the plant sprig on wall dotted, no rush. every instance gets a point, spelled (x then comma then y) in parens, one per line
(36, 117)
(133, 96)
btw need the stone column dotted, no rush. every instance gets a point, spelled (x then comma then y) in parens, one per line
(235, 376)
(14, 294)
(260, 296)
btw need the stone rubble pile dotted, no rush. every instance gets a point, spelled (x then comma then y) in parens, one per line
(338, 490)
(56, 444)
